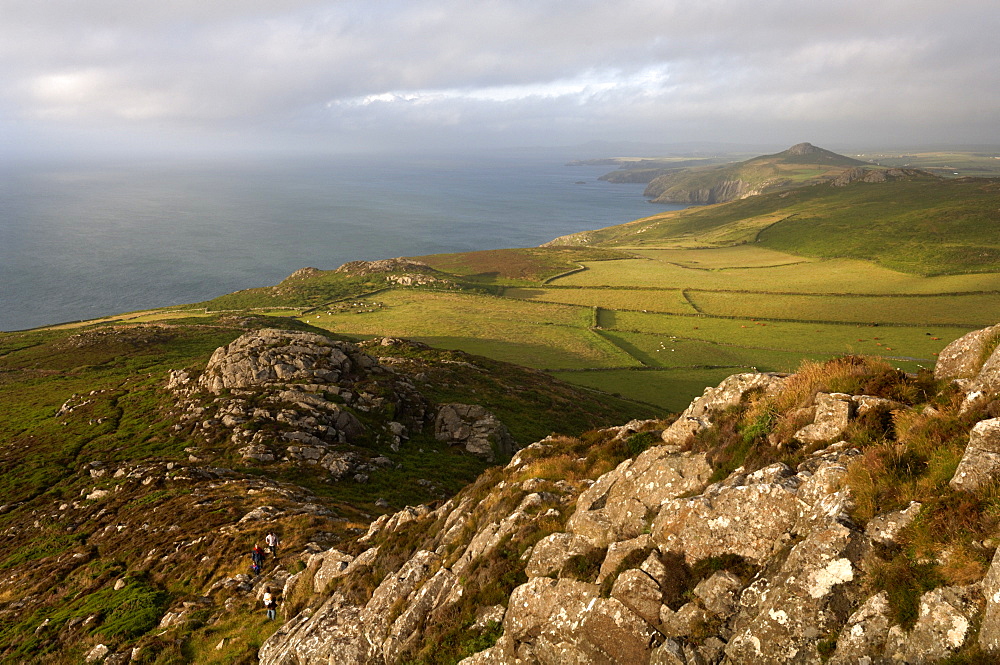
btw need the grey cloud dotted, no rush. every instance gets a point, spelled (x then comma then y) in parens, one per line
(500, 70)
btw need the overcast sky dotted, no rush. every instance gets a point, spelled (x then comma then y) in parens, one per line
(375, 74)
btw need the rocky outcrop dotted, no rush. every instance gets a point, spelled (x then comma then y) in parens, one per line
(980, 465)
(972, 362)
(618, 507)
(399, 271)
(650, 562)
(699, 415)
(269, 356)
(475, 429)
(281, 396)
(964, 358)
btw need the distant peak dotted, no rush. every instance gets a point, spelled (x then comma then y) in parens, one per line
(802, 149)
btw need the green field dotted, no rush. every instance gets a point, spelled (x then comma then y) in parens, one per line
(968, 310)
(826, 276)
(657, 300)
(541, 335)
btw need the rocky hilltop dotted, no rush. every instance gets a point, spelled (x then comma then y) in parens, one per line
(842, 514)
(801, 164)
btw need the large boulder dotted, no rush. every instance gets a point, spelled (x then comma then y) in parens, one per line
(702, 411)
(989, 631)
(973, 362)
(748, 520)
(474, 428)
(980, 463)
(963, 358)
(570, 622)
(280, 356)
(618, 506)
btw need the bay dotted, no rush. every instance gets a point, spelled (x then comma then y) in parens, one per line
(80, 241)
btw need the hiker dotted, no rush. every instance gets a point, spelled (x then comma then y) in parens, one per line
(271, 605)
(272, 543)
(257, 559)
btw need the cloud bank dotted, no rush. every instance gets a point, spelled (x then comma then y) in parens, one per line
(362, 74)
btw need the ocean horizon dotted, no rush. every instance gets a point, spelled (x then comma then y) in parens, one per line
(83, 241)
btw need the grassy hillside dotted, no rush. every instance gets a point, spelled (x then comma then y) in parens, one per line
(917, 224)
(799, 165)
(116, 510)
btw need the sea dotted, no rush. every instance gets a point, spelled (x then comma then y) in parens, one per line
(82, 240)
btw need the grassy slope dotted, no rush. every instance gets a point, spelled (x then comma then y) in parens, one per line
(767, 172)
(923, 226)
(64, 551)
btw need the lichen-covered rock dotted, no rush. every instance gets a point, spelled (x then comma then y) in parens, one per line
(989, 631)
(864, 633)
(551, 553)
(476, 429)
(943, 626)
(331, 634)
(883, 529)
(640, 593)
(700, 414)
(280, 356)
(490, 535)
(441, 590)
(800, 606)
(573, 621)
(833, 414)
(963, 358)
(329, 565)
(619, 550)
(719, 592)
(747, 520)
(980, 463)
(618, 506)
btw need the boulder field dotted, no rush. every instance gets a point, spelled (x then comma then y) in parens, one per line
(742, 532)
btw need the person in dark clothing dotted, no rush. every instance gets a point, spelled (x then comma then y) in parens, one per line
(257, 559)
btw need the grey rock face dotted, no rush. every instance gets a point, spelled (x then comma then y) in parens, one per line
(617, 507)
(474, 428)
(833, 414)
(280, 356)
(788, 622)
(883, 529)
(973, 362)
(864, 633)
(746, 520)
(943, 626)
(572, 621)
(552, 552)
(699, 415)
(328, 565)
(962, 359)
(989, 631)
(294, 397)
(980, 463)
(668, 590)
